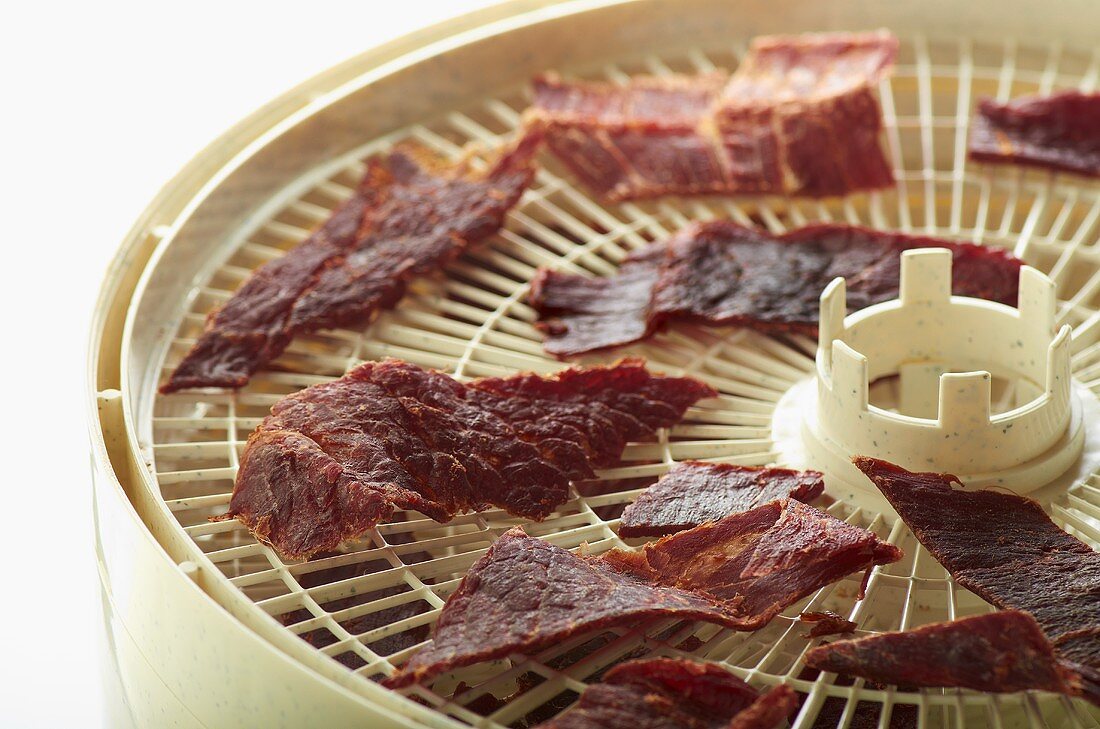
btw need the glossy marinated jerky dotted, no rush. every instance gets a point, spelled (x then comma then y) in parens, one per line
(999, 652)
(583, 314)
(662, 693)
(763, 560)
(411, 214)
(1057, 132)
(693, 492)
(643, 139)
(798, 118)
(1005, 549)
(826, 622)
(526, 594)
(335, 459)
(721, 273)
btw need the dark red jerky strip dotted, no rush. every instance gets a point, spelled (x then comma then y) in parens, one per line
(999, 652)
(526, 594)
(826, 622)
(636, 140)
(1005, 549)
(786, 68)
(334, 460)
(666, 692)
(798, 117)
(673, 100)
(626, 396)
(1057, 132)
(785, 550)
(721, 273)
(583, 314)
(412, 213)
(693, 493)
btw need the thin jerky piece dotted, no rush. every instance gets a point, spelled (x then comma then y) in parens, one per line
(335, 459)
(526, 594)
(693, 492)
(999, 652)
(826, 622)
(1057, 132)
(798, 118)
(763, 560)
(667, 692)
(643, 139)
(1005, 549)
(721, 273)
(412, 213)
(588, 314)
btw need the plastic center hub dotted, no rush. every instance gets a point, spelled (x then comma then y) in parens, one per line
(937, 356)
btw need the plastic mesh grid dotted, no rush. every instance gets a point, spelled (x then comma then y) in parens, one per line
(370, 606)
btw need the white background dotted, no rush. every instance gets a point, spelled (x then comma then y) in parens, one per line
(100, 103)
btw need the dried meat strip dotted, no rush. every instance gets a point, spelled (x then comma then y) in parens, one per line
(999, 652)
(412, 213)
(721, 273)
(583, 314)
(526, 593)
(694, 492)
(826, 622)
(740, 572)
(335, 459)
(643, 139)
(1057, 132)
(798, 118)
(1005, 549)
(785, 550)
(668, 692)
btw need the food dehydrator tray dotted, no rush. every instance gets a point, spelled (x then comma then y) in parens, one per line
(472, 321)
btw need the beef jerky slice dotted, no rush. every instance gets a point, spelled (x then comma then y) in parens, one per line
(664, 692)
(412, 213)
(1005, 549)
(693, 492)
(1057, 132)
(826, 622)
(335, 459)
(722, 273)
(762, 560)
(999, 652)
(526, 594)
(584, 314)
(643, 139)
(798, 117)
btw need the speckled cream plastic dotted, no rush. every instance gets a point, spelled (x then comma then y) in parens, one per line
(945, 350)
